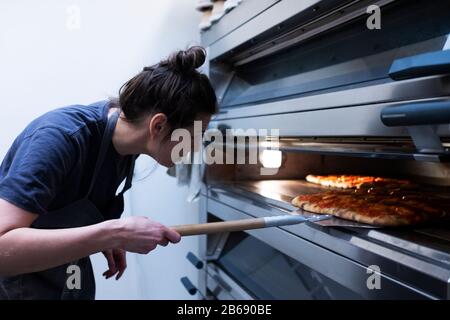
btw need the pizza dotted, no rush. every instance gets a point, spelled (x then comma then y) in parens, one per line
(377, 207)
(355, 181)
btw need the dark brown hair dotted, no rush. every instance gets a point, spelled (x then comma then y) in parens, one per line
(173, 87)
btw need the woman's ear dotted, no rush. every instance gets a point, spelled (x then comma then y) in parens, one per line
(157, 125)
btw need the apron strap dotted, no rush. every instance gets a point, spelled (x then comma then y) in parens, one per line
(106, 140)
(129, 176)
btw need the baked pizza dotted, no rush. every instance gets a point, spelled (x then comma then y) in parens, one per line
(380, 208)
(355, 181)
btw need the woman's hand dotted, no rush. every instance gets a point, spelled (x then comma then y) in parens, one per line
(142, 235)
(117, 263)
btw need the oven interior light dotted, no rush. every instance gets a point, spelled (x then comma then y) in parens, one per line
(271, 158)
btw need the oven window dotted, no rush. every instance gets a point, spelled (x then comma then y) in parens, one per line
(349, 56)
(266, 273)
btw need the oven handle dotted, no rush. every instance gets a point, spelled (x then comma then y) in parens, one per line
(194, 260)
(414, 114)
(188, 286)
(422, 65)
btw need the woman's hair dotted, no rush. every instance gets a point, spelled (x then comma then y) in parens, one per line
(173, 87)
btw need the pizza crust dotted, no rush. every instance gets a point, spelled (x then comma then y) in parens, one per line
(355, 181)
(347, 214)
(343, 206)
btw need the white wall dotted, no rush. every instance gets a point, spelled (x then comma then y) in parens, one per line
(158, 197)
(48, 59)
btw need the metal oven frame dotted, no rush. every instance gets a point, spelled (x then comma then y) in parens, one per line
(410, 269)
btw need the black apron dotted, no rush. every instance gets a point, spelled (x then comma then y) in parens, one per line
(52, 283)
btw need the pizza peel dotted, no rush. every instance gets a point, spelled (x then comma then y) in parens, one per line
(295, 217)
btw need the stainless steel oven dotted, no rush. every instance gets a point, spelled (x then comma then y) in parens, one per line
(346, 98)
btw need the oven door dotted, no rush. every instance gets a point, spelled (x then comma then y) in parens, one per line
(251, 269)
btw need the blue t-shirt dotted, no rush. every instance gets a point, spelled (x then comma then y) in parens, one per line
(50, 164)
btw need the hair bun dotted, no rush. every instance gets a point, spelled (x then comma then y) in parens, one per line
(187, 61)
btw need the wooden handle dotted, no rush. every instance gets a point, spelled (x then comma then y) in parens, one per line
(218, 227)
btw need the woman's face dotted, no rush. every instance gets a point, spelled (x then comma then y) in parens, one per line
(160, 144)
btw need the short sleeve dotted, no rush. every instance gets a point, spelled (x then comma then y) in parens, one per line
(37, 168)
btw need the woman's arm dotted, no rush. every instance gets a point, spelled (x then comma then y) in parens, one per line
(25, 250)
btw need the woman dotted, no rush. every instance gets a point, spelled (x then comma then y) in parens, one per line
(58, 181)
